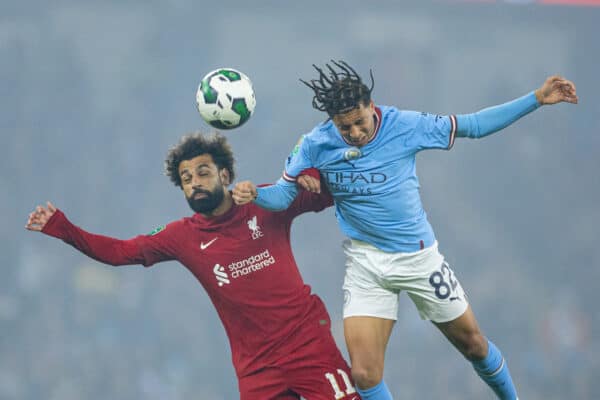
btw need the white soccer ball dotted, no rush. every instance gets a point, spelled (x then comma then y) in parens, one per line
(225, 98)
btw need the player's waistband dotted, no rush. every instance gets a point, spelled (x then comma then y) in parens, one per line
(409, 249)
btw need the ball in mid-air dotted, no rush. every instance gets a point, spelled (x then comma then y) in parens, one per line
(225, 98)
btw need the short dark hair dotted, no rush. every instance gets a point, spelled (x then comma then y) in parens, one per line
(197, 144)
(339, 91)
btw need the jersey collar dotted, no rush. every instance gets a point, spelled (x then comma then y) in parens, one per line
(218, 221)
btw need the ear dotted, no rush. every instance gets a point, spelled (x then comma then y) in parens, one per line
(224, 175)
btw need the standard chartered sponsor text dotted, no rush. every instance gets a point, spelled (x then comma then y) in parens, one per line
(251, 264)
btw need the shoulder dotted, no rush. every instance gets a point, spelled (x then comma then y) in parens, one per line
(178, 225)
(252, 216)
(397, 122)
(244, 210)
(391, 114)
(322, 133)
(168, 230)
(310, 145)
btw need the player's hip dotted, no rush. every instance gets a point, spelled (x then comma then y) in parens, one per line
(364, 258)
(310, 365)
(374, 279)
(295, 332)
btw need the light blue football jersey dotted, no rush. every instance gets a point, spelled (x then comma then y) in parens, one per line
(375, 187)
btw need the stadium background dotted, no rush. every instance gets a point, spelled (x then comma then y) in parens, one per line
(94, 93)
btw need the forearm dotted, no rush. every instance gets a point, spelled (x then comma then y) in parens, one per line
(101, 248)
(493, 119)
(276, 197)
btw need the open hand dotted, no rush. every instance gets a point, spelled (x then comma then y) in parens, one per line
(39, 217)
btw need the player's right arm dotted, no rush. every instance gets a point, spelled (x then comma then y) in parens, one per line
(279, 196)
(143, 249)
(275, 197)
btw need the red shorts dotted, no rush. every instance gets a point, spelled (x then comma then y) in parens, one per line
(313, 369)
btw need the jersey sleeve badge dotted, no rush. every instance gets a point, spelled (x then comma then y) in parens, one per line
(156, 230)
(296, 149)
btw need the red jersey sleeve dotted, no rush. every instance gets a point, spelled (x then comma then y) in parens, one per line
(311, 172)
(143, 249)
(306, 201)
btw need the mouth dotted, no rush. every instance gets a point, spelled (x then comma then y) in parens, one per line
(199, 196)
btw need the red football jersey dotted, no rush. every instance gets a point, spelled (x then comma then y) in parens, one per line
(244, 261)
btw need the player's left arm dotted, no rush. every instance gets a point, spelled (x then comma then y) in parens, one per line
(489, 120)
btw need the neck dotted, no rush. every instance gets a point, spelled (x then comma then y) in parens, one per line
(225, 206)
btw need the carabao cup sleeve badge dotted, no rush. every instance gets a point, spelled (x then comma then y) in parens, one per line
(295, 150)
(156, 230)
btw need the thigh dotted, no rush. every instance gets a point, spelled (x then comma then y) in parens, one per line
(266, 384)
(319, 372)
(364, 292)
(367, 339)
(436, 291)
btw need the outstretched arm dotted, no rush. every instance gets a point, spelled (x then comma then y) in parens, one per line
(487, 121)
(142, 249)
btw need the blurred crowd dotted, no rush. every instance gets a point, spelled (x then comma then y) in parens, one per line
(94, 94)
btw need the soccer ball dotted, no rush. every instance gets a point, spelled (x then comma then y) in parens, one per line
(225, 98)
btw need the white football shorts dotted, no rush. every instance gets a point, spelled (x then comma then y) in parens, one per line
(374, 280)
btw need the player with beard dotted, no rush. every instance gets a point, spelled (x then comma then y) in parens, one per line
(279, 333)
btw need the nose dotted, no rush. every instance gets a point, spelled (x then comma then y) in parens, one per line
(355, 133)
(196, 182)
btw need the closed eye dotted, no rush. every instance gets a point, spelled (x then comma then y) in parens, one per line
(358, 122)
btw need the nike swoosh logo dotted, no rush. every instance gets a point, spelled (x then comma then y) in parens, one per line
(205, 245)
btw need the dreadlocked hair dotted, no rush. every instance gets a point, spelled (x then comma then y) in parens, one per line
(339, 91)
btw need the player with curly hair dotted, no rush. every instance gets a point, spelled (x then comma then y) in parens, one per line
(279, 332)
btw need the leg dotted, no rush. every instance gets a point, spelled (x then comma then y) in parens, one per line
(463, 332)
(439, 297)
(267, 383)
(317, 369)
(366, 340)
(370, 311)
